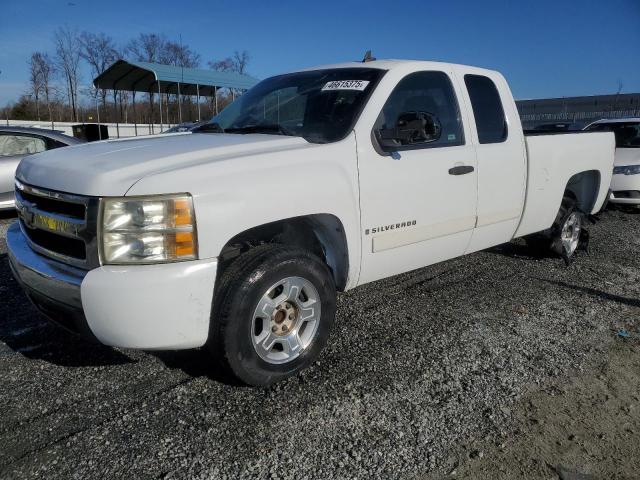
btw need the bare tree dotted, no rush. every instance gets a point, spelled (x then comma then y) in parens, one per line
(240, 61)
(35, 81)
(68, 49)
(224, 65)
(99, 51)
(237, 63)
(147, 47)
(46, 70)
(179, 55)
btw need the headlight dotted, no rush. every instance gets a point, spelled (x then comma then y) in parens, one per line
(152, 229)
(627, 170)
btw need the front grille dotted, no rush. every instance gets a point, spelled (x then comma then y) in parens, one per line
(54, 205)
(69, 247)
(59, 225)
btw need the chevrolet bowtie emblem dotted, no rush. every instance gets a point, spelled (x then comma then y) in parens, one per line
(26, 213)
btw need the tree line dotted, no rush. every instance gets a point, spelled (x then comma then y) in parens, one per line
(56, 92)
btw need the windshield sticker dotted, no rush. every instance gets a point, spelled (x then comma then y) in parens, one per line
(346, 85)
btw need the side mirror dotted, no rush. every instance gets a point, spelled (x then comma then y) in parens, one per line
(412, 128)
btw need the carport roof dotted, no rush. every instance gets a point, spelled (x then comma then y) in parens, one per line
(145, 77)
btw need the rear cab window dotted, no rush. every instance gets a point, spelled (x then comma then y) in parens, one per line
(491, 123)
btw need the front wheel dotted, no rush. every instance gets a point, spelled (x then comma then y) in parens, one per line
(275, 311)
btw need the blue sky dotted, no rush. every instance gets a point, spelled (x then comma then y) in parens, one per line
(545, 48)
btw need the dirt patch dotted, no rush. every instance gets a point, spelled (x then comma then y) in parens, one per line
(582, 429)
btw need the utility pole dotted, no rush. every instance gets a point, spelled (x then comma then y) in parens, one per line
(6, 110)
(181, 82)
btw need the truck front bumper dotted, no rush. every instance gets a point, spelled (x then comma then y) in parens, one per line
(155, 307)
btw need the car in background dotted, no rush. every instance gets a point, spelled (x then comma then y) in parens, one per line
(15, 144)
(185, 127)
(625, 183)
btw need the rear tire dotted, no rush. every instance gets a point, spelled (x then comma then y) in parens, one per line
(275, 308)
(563, 238)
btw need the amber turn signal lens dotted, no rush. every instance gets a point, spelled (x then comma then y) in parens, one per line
(182, 212)
(184, 244)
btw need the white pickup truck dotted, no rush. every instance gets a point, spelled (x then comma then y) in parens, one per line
(237, 236)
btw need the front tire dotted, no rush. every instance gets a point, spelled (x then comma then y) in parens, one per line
(276, 306)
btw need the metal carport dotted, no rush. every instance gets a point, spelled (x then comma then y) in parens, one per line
(157, 78)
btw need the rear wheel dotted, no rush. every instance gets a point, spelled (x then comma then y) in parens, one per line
(275, 311)
(563, 238)
(569, 237)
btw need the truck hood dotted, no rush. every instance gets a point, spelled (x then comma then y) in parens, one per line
(111, 167)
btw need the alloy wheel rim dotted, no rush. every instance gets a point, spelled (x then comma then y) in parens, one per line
(570, 234)
(285, 320)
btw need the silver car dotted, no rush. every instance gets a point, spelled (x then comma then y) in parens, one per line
(15, 144)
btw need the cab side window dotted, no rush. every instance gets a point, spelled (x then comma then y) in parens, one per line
(491, 123)
(14, 144)
(430, 92)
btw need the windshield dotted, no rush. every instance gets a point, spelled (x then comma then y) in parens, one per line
(320, 105)
(627, 133)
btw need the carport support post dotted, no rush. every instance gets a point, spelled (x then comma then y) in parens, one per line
(179, 105)
(160, 104)
(98, 115)
(198, 95)
(115, 111)
(135, 119)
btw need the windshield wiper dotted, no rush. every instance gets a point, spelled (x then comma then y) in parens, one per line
(209, 128)
(261, 128)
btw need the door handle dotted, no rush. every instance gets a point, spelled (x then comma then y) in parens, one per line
(461, 170)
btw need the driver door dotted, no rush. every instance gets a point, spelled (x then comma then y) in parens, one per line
(418, 202)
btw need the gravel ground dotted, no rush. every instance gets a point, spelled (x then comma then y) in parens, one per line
(424, 373)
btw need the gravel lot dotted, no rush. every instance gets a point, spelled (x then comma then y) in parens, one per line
(499, 363)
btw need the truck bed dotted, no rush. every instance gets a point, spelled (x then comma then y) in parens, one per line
(557, 161)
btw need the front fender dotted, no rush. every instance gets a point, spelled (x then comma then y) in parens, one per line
(240, 193)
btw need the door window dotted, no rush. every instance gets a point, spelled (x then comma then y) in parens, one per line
(491, 123)
(13, 144)
(430, 92)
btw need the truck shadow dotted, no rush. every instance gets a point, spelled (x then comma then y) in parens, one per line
(196, 363)
(28, 333)
(627, 209)
(631, 302)
(519, 250)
